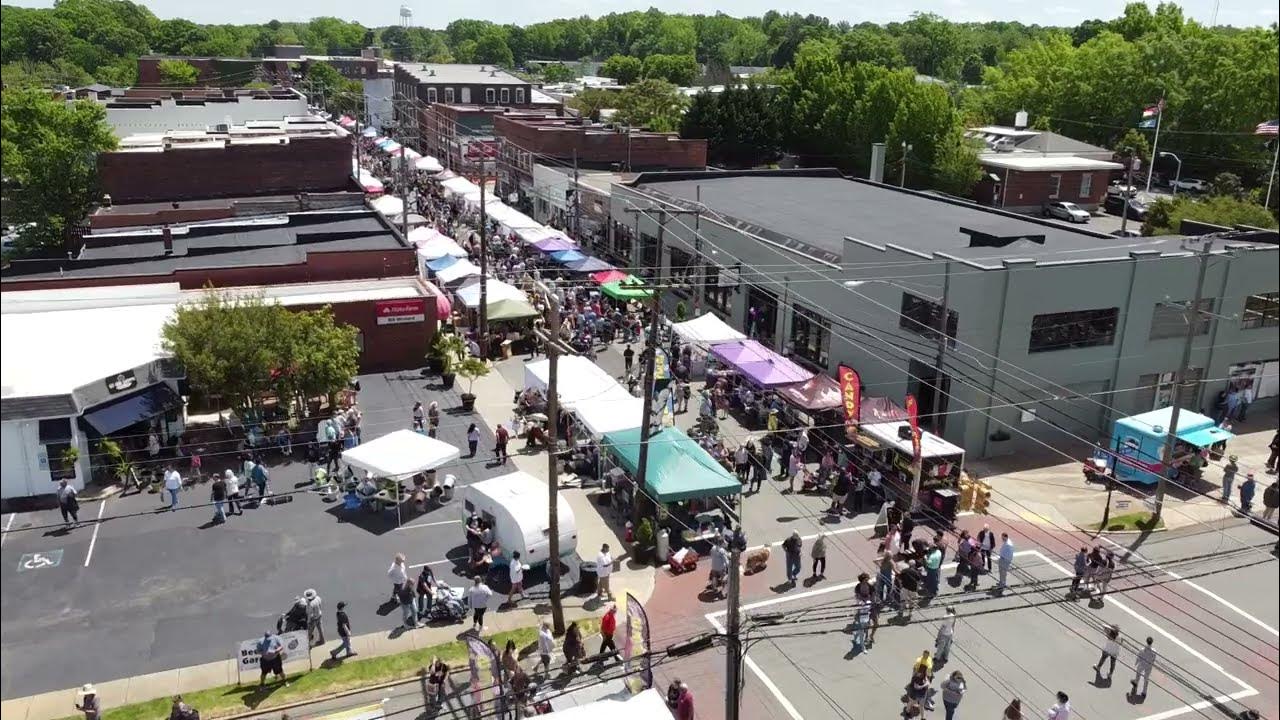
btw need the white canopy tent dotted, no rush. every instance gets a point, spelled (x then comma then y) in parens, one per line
(427, 164)
(931, 445)
(400, 455)
(706, 330)
(462, 269)
(532, 235)
(469, 293)
(437, 247)
(580, 380)
(646, 705)
(613, 412)
(509, 217)
(388, 205)
(460, 186)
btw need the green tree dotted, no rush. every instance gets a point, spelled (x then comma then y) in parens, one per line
(341, 96)
(955, 168)
(178, 72)
(676, 69)
(1133, 142)
(871, 46)
(177, 37)
(1165, 216)
(591, 101)
(1227, 185)
(740, 125)
(655, 104)
(558, 72)
(492, 49)
(623, 68)
(934, 46)
(49, 150)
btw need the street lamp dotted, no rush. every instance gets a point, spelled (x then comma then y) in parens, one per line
(1178, 176)
(906, 150)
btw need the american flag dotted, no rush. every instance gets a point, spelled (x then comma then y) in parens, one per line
(1270, 127)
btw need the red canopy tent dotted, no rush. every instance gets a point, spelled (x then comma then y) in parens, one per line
(608, 276)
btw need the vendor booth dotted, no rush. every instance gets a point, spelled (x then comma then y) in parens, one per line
(1137, 444)
(455, 271)
(888, 448)
(628, 288)
(427, 164)
(399, 456)
(388, 205)
(516, 507)
(706, 330)
(589, 264)
(758, 364)
(579, 380)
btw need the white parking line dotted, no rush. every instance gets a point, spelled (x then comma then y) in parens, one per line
(7, 524)
(1197, 587)
(433, 562)
(755, 669)
(430, 524)
(96, 526)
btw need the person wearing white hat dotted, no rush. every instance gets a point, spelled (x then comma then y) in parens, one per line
(89, 703)
(315, 631)
(233, 492)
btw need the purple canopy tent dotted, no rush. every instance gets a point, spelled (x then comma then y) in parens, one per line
(554, 244)
(759, 364)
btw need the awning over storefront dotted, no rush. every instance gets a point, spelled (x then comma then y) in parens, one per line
(678, 469)
(120, 413)
(819, 392)
(759, 364)
(707, 330)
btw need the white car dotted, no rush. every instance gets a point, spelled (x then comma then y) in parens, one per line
(1191, 185)
(1066, 211)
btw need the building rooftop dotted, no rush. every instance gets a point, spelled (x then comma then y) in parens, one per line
(1031, 162)
(456, 74)
(813, 211)
(234, 243)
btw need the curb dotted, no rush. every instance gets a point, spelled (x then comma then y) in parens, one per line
(325, 698)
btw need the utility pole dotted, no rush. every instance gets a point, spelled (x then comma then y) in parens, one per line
(733, 640)
(404, 176)
(1125, 196)
(939, 378)
(1191, 315)
(1155, 143)
(484, 268)
(550, 336)
(359, 166)
(577, 201)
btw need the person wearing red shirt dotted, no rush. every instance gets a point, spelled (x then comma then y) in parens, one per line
(684, 706)
(608, 625)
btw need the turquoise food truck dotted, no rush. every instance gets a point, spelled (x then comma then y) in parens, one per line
(1137, 444)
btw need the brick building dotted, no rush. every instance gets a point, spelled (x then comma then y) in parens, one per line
(1026, 183)
(463, 137)
(220, 71)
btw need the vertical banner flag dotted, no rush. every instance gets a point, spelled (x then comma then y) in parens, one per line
(850, 395)
(913, 416)
(485, 681)
(636, 643)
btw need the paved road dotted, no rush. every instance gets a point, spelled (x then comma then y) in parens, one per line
(166, 590)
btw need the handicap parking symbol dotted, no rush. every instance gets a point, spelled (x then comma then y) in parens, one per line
(40, 560)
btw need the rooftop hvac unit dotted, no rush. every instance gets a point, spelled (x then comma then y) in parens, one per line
(222, 128)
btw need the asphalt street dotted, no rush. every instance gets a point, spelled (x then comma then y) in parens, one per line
(156, 591)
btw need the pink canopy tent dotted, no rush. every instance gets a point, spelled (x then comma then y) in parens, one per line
(554, 244)
(608, 276)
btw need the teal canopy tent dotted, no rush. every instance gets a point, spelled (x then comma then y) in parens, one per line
(679, 469)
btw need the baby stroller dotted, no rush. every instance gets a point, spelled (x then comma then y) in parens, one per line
(861, 624)
(449, 604)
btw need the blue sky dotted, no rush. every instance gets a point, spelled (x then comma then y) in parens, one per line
(438, 13)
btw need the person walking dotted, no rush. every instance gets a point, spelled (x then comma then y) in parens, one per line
(478, 598)
(604, 568)
(952, 692)
(962, 556)
(573, 648)
(271, 658)
(68, 503)
(758, 471)
(89, 703)
(473, 439)
(819, 554)
(932, 570)
(839, 493)
(419, 415)
(1081, 562)
(1142, 667)
(500, 439)
(172, 485)
(987, 544)
(1013, 711)
(1247, 489)
(791, 548)
(546, 646)
(218, 494)
(233, 492)
(1061, 710)
(1273, 460)
(408, 605)
(315, 631)
(1229, 471)
(766, 457)
(344, 633)
(425, 589)
(259, 476)
(398, 574)
(1110, 651)
(1270, 499)
(909, 584)
(1005, 561)
(516, 569)
(795, 470)
(946, 633)
(1104, 574)
(608, 625)
(741, 465)
(921, 680)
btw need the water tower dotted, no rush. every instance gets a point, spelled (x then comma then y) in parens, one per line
(406, 16)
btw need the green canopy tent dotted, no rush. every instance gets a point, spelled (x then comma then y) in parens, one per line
(679, 469)
(628, 288)
(510, 309)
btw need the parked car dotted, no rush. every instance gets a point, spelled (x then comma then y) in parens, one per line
(1117, 187)
(1115, 204)
(1191, 185)
(1066, 211)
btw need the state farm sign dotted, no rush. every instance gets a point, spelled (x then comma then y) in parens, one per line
(395, 312)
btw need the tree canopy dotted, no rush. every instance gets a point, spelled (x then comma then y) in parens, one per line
(654, 104)
(49, 149)
(177, 72)
(623, 68)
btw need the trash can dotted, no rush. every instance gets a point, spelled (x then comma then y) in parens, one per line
(587, 577)
(663, 545)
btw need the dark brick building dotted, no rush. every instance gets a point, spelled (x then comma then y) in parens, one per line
(1026, 182)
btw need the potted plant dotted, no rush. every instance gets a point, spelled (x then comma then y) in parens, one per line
(642, 550)
(452, 351)
(119, 463)
(681, 311)
(470, 369)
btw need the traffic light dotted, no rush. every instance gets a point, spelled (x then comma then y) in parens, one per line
(982, 501)
(968, 490)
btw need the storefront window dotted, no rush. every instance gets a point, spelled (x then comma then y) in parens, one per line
(650, 263)
(810, 336)
(1075, 329)
(719, 297)
(682, 271)
(1261, 310)
(762, 316)
(921, 316)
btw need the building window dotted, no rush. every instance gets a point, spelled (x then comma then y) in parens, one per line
(682, 271)
(1261, 310)
(506, 96)
(762, 315)
(922, 316)
(810, 335)
(1155, 390)
(1086, 185)
(1169, 320)
(719, 295)
(431, 95)
(1055, 185)
(1075, 329)
(489, 95)
(466, 96)
(519, 96)
(448, 94)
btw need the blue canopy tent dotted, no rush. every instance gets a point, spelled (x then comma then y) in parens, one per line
(441, 263)
(564, 257)
(588, 264)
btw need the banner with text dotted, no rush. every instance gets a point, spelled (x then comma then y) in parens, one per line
(639, 677)
(294, 643)
(850, 395)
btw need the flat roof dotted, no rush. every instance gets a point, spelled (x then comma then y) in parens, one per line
(460, 74)
(1035, 162)
(813, 211)
(277, 240)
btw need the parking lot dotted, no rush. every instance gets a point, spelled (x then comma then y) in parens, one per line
(147, 591)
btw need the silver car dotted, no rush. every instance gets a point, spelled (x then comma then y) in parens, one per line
(1066, 211)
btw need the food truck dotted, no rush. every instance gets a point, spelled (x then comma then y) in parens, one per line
(1137, 444)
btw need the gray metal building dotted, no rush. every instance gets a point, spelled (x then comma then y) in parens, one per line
(1053, 331)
